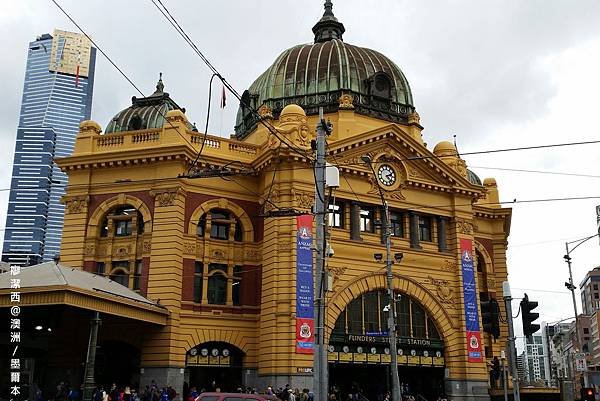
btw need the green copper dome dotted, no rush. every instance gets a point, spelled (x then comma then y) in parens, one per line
(144, 113)
(317, 74)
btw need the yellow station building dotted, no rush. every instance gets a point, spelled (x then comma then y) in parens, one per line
(220, 271)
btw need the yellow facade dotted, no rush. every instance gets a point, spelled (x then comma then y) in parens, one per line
(140, 168)
(227, 273)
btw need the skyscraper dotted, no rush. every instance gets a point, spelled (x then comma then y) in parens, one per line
(57, 96)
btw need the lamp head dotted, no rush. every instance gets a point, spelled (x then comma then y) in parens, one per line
(378, 257)
(366, 159)
(398, 257)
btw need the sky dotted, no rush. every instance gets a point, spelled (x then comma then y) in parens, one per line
(497, 74)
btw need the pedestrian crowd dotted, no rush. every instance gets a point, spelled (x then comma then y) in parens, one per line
(151, 392)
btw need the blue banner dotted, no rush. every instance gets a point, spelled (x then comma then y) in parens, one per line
(470, 301)
(305, 308)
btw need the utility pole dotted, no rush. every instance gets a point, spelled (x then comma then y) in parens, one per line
(390, 288)
(511, 340)
(320, 357)
(572, 287)
(504, 374)
(392, 298)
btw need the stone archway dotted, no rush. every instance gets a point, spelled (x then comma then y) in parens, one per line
(214, 366)
(247, 228)
(487, 259)
(119, 200)
(371, 282)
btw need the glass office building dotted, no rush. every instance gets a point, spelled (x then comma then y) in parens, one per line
(57, 96)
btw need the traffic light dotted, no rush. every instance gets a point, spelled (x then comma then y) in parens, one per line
(490, 315)
(587, 394)
(529, 317)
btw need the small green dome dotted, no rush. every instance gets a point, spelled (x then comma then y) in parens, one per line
(473, 178)
(317, 74)
(144, 113)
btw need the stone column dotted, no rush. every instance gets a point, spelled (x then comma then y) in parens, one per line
(414, 230)
(355, 221)
(442, 234)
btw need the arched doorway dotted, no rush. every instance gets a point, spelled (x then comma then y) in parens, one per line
(358, 350)
(214, 366)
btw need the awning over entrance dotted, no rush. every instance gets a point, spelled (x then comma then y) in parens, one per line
(55, 284)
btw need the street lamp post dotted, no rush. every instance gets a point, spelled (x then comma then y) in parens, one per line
(572, 287)
(390, 289)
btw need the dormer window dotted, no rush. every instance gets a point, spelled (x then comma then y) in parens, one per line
(380, 85)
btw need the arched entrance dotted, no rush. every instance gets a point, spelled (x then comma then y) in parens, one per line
(215, 366)
(359, 358)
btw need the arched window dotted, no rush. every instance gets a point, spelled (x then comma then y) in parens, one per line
(221, 223)
(125, 220)
(120, 276)
(217, 289)
(480, 262)
(368, 313)
(220, 283)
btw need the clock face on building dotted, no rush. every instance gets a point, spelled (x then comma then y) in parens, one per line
(386, 175)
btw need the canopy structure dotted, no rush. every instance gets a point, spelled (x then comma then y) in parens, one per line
(55, 284)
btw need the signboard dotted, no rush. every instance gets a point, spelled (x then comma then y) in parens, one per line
(580, 363)
(426, 360)
(470, 301)
(401, 341)
(438, 361)
(360, 357)
(305, 325)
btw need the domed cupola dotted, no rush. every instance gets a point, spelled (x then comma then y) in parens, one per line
(145, 113)
(328, 27)
(318, 74)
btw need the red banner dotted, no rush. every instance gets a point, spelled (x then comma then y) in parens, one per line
(305, 329)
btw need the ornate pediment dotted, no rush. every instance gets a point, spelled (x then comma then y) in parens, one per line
(416, 165)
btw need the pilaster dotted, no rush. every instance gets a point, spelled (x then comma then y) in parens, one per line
(75, 225)
(161, 347)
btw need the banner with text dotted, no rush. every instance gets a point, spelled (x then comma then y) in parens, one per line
(305, 309)
(470, 297)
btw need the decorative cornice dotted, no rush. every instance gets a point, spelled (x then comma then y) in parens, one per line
(166, 197)
(464, 226)
(304, 200)
(76, 204)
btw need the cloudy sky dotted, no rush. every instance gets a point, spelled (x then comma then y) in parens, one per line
(496, 74)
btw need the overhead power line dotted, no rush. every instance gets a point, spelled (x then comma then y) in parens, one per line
(520, 170)
(173, 22)
(118, 68)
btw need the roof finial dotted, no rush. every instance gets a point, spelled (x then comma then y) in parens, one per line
(328, 27)
(328, 8)
(159, 86)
